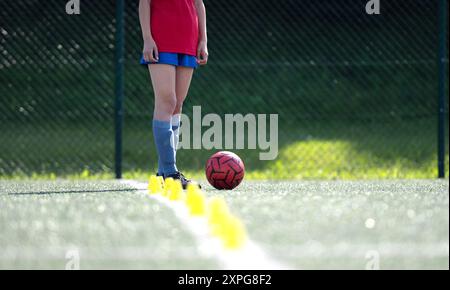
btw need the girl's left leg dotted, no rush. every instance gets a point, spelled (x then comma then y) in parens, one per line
(182, 84)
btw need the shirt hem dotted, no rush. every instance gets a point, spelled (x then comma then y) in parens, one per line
(174, 50)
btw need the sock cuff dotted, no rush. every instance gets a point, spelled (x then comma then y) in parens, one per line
(162, 124)
(176, 120)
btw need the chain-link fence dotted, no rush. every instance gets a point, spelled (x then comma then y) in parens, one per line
(356, 94)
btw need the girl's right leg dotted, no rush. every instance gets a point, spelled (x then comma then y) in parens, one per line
(182, 84)
(164, 81)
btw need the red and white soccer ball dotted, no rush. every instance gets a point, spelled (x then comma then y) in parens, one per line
(225, 170)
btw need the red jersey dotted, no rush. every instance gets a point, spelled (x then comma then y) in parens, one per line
(174, 25)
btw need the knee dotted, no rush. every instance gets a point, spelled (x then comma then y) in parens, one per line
(166, 101)
(178, 107)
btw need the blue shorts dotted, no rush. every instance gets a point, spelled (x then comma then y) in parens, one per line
(176, 59)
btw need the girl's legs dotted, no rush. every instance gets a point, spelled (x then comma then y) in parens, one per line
(164, 85)
(182, 84)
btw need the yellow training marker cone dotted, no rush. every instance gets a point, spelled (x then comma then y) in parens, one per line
(217, 210)
(218, 215)
(150, 181)
(161, 181)
(195, 200)
(168, 184)
(233, 233)
(154, 185)
(192, 187)
(176, 192)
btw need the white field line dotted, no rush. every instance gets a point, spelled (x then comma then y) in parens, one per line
(250, 257)
(140, 253)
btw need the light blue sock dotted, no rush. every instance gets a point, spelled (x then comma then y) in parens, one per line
(160, 168)
(162, 132)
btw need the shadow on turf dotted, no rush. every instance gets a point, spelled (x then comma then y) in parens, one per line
(72, 191)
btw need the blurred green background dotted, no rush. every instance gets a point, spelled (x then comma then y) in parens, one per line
(357, 95)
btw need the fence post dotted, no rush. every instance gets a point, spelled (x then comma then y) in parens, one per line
(442, 83)
(119, 85)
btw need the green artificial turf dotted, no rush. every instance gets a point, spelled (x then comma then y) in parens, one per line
(301, 225)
